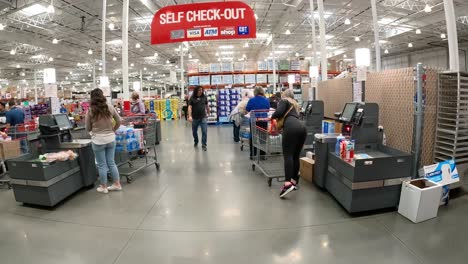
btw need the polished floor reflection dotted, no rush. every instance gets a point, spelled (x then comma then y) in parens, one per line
(210, 207)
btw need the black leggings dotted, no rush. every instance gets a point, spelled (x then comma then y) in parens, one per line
(294, 136)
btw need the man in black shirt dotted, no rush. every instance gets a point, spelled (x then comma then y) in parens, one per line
(197, 113)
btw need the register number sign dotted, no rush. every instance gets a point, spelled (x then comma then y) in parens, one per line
(203, 21)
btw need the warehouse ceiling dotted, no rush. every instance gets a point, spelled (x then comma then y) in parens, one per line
(26, 41)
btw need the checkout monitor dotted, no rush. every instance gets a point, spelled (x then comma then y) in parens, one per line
(62, 121)
(348, 112)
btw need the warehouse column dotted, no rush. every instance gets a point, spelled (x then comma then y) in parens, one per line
(182, 82)
(274, 63)
(126, 91)
(94, 74)
(323, 48)
(103, 47)
(451, 22)
(314, 42)
(35, 85)
(378, 62)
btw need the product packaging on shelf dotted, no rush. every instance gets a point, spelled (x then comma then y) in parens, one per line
(443, 173)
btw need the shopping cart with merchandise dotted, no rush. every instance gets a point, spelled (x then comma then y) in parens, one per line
(269, 156)
(244, 132)
(19, 142)
(136, 145)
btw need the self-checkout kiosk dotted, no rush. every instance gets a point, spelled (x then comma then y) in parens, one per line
(373, 179)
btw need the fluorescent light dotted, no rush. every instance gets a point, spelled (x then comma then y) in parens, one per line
(131, 65)
(262, 35)
(111, 26)
(345, 56)
(227, 52)
(219, 59)
(357, 38)
(145, 69)
(2, 27)
(347, 21)
(34, 10)
(256, 17)
(190, 55)
(18, 66)
(244, 56)
(288, 32)
(84, 80)
(55, 41)
(51, 59)
(443, 36)
(66, 78)
(114, 42)
(418, 31)
(297, 54)
(137, 45)
(284, 46)
(114, 59)
(382, 41)
(280, 51)
(325, 15)
(100, 68)
(217, 54)
(89, 75)
(226, 47)
(90, 52)
(363, 57)
(427, 8)
(167, 61)
(410, 45)
(12, 52)
(246, 45)
(309, 46)
(50, 9)
(386, 51)
(156, 54)
(227, 58)
(144, 20)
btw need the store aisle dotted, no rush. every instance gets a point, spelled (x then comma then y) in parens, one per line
(210, 207)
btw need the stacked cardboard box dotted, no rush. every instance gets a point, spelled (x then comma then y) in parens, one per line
(9, 149)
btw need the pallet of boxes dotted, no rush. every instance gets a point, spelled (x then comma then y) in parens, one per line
(9, 149)
(307, 167)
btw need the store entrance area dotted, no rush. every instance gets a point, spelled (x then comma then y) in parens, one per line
(210, 207)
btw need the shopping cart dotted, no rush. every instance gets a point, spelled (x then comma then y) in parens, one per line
(269, 158)
(244, 132)
(22, 137)
(135, 143)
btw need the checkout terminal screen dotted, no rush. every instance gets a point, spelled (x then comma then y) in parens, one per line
(348, 112)
(62, 121)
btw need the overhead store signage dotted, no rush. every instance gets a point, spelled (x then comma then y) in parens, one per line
(203, 21)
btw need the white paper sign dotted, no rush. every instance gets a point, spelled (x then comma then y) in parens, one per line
(50, 90)
(104, 85)
(361, 75)
(49, 75)
(173, 77)
(357, 92)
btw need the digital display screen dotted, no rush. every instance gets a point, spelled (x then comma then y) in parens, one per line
(348, 112)
(63, 122)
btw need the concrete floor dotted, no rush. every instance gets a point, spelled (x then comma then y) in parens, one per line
(209, 207)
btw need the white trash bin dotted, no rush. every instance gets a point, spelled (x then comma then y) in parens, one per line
(419, 200)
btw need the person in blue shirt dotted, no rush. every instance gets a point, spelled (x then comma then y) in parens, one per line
(258, 102)
(63, 109)
(15, 116)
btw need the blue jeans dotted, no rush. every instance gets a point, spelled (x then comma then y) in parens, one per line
(204, 127)
(105, 158)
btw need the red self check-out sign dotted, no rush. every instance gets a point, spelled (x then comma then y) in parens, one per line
(203, 21)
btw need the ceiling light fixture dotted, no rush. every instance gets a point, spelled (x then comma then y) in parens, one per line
(386, 51)
(309, 46)
(66, 78)
(111, 26)
(347, 21)
(55, 41)
(84, 80)
(190, 55)
(2, 27)
(71, 73)
(131, 65)
(18, 66)
(90, 52)
(219, 59)
(288, 32)
(256, 17)
(167, 61)
(51, 59)
(357, 39)
(244, 56)
(418, 31)
(410, 45)
(12, 52)
(246, 45)
(51, 8)
(345, 56)
(443, 36)
(114, 59)
(297, 54)
(137, 45)
(100, 68)
(89, 75)
(217, 54)
(156, 54)
(144, 69)
(427, 8)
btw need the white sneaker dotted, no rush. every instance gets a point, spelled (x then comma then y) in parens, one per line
(102, 190)
(114, 188)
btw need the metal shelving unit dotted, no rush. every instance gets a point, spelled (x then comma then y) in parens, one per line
(452, 119)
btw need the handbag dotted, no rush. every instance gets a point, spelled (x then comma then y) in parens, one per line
(280, 121)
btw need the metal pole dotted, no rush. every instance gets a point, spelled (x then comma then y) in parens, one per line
(35, 86)
(378, 59)
(182, 83)
(126, 91)
(419, 112)
(323, 48)
(314, 39)
(141, 82)
(103, 48)
(452, 35)
(94, 75)
(274, 63)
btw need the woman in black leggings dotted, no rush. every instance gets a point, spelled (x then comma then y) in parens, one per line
(294, 136)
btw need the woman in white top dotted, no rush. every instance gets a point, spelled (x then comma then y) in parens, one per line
(99, 122)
